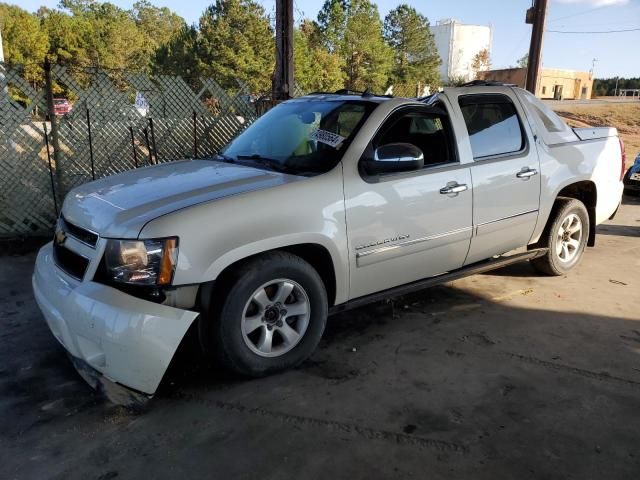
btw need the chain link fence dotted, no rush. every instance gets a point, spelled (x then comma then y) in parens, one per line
(88, 123)
(105, 122)
(27, 205)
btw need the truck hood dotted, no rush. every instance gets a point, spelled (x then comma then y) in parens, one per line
(120, 205)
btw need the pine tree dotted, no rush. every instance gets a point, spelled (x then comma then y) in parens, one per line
(24, 41)
(416, 58)
(236, 41)
(316, 69)
(353, 30)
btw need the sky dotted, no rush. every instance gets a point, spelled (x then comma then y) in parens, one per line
(616, 54)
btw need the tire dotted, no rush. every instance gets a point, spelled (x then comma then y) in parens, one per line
(276, 296)
(565, 236)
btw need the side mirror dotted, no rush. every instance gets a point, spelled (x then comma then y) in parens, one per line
(394, 158)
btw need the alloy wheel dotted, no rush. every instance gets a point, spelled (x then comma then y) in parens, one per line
(275, 318)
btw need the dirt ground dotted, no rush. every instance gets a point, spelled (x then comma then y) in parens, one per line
(502, 375)
(624, 116)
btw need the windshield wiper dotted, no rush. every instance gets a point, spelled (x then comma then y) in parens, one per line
(224, 158)
(270, 163)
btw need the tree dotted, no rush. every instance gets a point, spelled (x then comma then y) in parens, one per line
(368, 58)
(523, 62)
(179, 56)
(158, 25)
(236, 41)
(98, 34)
(316, 69)
(24, 41)
(416, 56)
(66, 34)
(352, 29)
(481, 61)
(332, 23)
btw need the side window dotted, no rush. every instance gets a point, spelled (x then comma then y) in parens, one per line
(426, 129)
(493, 125)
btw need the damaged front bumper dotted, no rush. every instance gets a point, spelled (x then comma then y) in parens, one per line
(108, 333)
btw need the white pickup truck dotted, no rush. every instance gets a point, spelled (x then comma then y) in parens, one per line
(325, 203)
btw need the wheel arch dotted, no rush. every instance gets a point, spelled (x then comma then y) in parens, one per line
(587, 192)
(316, 254)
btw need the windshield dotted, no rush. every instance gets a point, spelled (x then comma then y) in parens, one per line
(304, 137)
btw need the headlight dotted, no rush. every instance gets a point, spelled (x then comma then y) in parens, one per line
(141, 262)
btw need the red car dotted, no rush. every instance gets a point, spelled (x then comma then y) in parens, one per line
(61, 106)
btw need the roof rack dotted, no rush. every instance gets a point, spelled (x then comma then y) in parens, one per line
(487, 83)
(345, 91)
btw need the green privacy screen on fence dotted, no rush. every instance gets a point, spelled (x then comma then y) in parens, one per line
(105, 122)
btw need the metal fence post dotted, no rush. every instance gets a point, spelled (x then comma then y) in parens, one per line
(146, 139)
(53, 185)
(153, 142)
(133, 146)
(93, 170)
(55, 139)
(195, 134)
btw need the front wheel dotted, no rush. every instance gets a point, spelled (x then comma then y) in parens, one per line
(566, 238)
(269, 317)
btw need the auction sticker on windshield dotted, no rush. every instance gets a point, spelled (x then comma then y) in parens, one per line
(328, 138)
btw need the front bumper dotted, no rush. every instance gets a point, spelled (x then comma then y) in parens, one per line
(127, 340)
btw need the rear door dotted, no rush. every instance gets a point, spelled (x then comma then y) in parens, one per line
(505, 173)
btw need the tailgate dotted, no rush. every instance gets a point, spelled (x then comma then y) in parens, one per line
(591, 133)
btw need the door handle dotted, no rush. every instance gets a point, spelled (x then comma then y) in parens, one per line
(527, 173)
(453, 188)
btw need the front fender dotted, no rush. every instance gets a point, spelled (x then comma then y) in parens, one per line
(218, 234)
(283, 241)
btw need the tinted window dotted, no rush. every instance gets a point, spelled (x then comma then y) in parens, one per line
(426, 129)
(493, 125)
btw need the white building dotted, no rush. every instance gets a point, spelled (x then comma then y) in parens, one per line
(457, 45)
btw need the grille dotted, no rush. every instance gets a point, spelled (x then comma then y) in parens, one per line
(72, 263)
(85, 236)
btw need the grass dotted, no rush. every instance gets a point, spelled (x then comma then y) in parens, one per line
(625, 117)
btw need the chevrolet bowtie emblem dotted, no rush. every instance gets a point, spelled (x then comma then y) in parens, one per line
(60, 237)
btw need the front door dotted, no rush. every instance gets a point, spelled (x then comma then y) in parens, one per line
(505, 172)
(407, 226)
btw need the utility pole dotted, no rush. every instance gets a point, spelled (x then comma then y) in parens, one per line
(536, 16)
(593, 66)
(283, 77)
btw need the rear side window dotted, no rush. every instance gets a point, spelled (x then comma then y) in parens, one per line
(493, 125)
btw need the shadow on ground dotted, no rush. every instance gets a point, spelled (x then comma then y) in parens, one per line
(447, 380)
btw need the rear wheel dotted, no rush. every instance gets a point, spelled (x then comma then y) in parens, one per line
(270, 316)
(565, 237)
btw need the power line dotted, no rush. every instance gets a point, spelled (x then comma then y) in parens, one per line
(600, 31)
(578, 13)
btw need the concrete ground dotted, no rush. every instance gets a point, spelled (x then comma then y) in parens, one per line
(503, 375)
